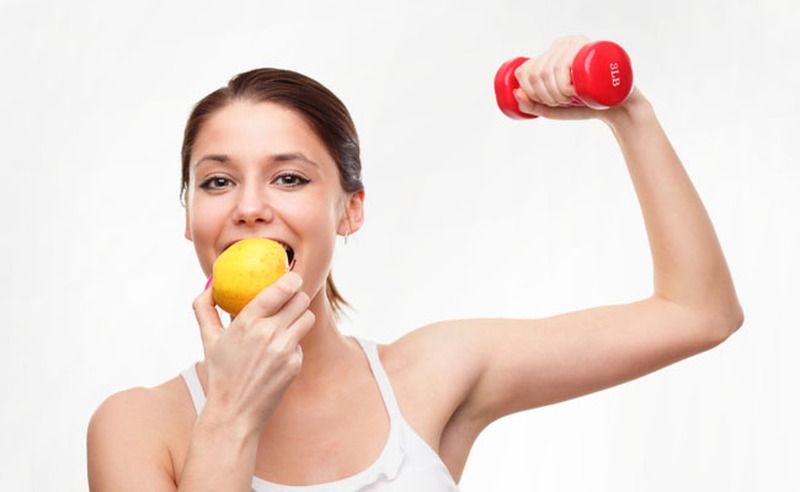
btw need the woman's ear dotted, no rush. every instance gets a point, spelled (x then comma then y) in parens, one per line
(353, 217)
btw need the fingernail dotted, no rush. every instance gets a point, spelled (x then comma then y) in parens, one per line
(292, 281)
(208, 283)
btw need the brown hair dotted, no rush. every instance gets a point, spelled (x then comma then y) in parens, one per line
(322, 110)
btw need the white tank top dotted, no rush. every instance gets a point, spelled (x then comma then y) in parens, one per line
(407, 462)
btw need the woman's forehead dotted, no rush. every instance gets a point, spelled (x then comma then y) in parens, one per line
(248, 128)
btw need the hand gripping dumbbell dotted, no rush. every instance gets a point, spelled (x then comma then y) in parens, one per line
(601, 73)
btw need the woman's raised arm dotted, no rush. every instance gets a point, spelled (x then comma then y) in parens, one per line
(514, 365)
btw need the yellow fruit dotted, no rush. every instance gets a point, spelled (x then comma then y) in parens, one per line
(244, 269)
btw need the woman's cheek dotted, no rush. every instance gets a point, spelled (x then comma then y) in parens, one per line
(205, 227)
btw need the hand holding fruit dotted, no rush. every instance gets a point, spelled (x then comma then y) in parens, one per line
(251, 364)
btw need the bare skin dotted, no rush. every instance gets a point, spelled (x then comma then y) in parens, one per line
(292, 400)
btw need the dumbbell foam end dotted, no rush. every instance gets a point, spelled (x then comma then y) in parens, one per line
(602, 75)
(505, 82)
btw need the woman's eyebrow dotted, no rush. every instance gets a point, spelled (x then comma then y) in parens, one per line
(292, 156)
(283, 157)
(214, 158)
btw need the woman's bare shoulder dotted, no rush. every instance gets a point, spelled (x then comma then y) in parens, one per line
(435, 352)
(139, 429)
(431, 343)
(151, 405)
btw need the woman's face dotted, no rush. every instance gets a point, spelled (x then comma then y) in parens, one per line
(259, 170)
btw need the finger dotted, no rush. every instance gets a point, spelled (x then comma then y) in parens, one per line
(270, 300)
(207, 319)
(289, 312)
(300, 328)
(563, 78)
(526, 76)
(527, 105)
(522, 98)
(550, 84)
(543, 91)
(540, 80)
(558, 70)
(291, 338)
(529, 75)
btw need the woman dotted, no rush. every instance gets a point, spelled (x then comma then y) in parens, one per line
(284, 399)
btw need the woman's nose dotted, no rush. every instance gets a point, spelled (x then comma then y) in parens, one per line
(252, 207)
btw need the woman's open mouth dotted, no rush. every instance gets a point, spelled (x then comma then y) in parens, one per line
(290, 259)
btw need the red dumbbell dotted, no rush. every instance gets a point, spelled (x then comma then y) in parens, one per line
(601, 73)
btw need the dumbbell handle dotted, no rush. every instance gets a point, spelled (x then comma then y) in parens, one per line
(601, 73)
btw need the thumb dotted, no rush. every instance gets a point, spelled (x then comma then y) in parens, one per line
(535, 108)
(208, 319)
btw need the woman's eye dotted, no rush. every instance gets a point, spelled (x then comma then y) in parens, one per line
(215, 183)
(291, 180)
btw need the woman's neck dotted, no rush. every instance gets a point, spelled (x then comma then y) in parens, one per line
(325, 348)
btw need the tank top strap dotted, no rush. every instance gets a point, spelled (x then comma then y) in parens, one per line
(371, 350)
(192, 381)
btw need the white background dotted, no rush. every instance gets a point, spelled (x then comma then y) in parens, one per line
(468, 214)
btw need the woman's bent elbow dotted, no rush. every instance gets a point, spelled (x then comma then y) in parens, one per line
(723, 323)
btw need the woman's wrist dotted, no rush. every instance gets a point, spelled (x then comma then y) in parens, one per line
(216, 424)
(635, 111)
(221, 456)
